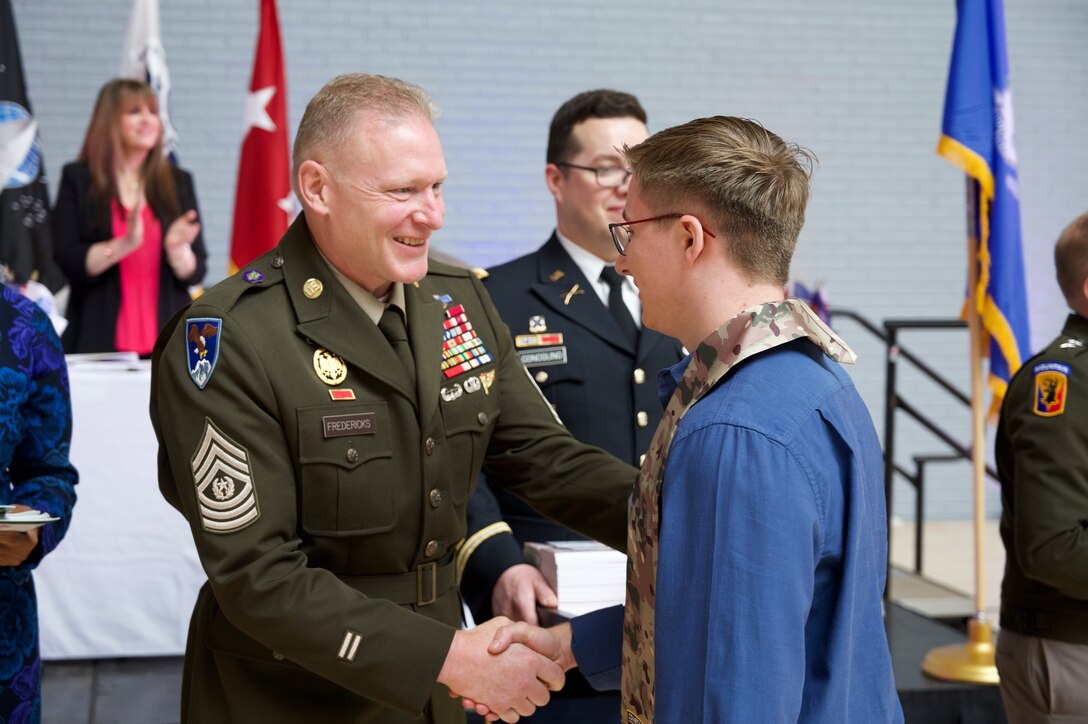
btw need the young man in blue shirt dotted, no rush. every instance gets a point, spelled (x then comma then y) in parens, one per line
(757, 532)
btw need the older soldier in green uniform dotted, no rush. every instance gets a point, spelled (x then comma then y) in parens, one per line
(1042, 460)
(323, 455)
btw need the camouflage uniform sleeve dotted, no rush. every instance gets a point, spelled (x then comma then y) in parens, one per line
(1050, 480)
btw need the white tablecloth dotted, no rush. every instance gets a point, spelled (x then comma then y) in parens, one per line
(124, 579)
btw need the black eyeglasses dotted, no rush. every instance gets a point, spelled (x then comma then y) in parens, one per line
(610, 177)
(621, 232)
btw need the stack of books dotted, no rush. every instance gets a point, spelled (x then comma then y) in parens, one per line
(23, 520)
(585, 575)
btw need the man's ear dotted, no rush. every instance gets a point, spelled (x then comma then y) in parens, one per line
(313, 187)
(553, 176)
(695, 238)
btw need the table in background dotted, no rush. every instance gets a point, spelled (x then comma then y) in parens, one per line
(124, 579)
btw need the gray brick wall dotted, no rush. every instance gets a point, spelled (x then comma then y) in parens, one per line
(861, 82)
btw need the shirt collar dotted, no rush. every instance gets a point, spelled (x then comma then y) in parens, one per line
(589, 263)
(370, 304)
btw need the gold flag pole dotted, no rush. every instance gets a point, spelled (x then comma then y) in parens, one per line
(972, 661)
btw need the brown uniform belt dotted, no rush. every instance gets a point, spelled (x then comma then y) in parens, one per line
(422, 588)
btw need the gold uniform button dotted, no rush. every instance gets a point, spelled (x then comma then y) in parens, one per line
(432, 549)
(640, 376)
(541, 377)
(278, 656)
(313, 288)
(429, 446)
(482, 418)
(643, 419)
(352, 455)
(436, 497)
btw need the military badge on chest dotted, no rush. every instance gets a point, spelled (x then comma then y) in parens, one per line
(462, 349)
(330, 368)
(540, 348)
(202, 336)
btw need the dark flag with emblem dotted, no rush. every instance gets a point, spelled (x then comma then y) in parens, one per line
(26, 250)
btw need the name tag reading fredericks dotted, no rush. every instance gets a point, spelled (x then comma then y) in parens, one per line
(363, 423)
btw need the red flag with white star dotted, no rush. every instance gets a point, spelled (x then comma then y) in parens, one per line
(263, 204)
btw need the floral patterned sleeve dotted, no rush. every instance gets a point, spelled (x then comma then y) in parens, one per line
(35, 420)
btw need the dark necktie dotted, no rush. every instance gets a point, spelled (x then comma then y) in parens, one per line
(616, 306)
(391, 325)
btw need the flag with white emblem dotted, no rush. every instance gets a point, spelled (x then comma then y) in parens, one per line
(144, 58)
(263, 202)
(224, 483)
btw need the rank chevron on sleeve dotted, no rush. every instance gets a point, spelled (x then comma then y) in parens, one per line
(224, 486)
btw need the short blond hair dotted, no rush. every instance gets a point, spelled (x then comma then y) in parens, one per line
(333, 113)
(752, 185)
(1071, 260)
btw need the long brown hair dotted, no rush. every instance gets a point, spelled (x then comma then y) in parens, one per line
(102, 146)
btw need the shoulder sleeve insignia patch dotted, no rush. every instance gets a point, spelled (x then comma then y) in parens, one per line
(202, 336)
(224, 483)
(1051, 386)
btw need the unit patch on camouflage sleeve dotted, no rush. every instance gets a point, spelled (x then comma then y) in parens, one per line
(1051, 385)
(224, 485)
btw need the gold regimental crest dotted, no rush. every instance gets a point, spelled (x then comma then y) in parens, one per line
(330, 368)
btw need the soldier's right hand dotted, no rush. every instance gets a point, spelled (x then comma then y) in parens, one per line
(509, 685)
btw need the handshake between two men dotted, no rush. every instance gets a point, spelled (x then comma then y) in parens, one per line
(505, 670)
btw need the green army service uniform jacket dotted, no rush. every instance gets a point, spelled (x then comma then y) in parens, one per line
(1042, 462)
(326, 498)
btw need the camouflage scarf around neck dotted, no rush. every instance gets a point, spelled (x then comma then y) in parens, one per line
(753, 331)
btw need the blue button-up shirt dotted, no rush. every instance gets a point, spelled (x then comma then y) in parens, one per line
(772, 554)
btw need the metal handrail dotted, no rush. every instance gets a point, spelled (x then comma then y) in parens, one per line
(893, 401)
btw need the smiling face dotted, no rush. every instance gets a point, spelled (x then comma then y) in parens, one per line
(584, 208)
(383, 201)
(139, 126)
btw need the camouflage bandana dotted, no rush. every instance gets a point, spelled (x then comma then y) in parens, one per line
(753, 331)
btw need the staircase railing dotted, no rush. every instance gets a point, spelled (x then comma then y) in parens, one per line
(894, 401)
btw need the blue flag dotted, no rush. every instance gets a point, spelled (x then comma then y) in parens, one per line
(977, 136)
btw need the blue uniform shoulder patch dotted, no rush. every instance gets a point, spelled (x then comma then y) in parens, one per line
(202, 347)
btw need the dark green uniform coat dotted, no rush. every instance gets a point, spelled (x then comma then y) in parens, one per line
(1042, 460)
(328, 525)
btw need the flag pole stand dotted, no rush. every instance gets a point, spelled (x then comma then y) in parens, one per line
(973, 661)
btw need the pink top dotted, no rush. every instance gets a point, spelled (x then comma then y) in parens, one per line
(138, 318)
